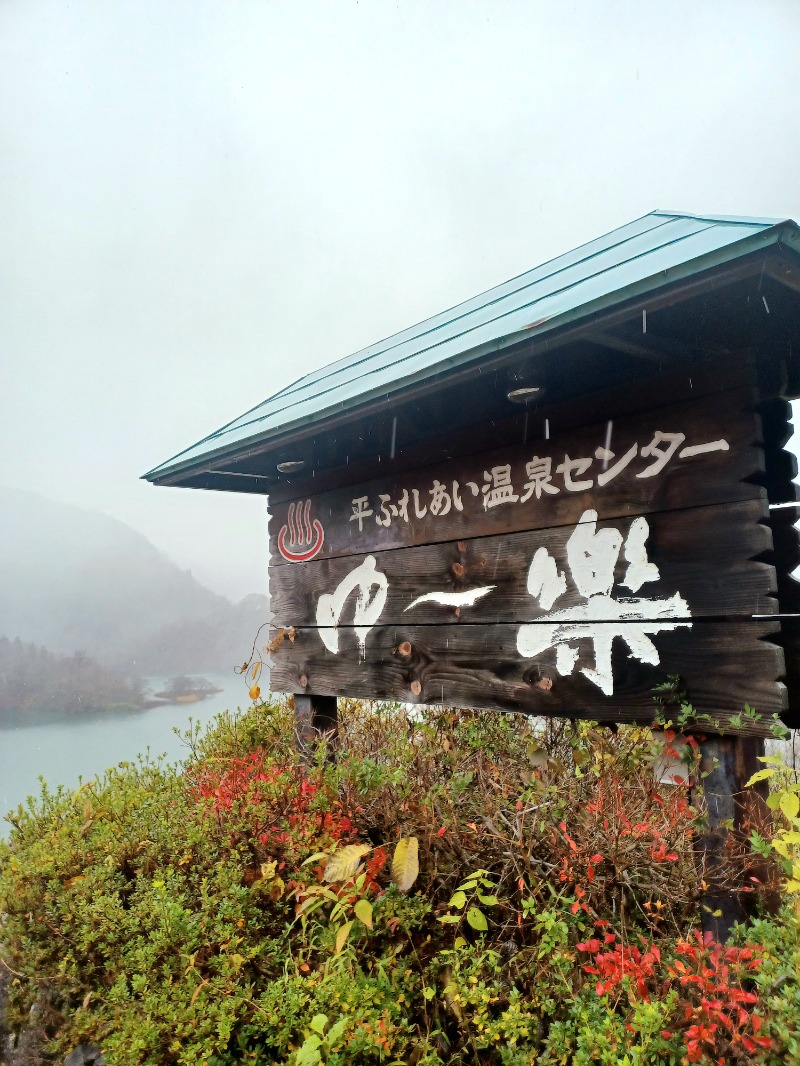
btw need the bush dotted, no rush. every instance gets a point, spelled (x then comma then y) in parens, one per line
(466, 887)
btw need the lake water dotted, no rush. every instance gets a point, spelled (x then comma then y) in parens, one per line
(63, 749)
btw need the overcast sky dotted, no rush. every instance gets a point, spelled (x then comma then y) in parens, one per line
(202, 201)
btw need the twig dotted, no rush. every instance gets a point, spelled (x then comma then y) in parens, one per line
(13, 972)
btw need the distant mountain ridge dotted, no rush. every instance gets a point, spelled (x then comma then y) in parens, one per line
(73, 580)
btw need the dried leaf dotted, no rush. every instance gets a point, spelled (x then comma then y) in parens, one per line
(342, 935)
(276, 642)
(405, 864)
(196, 993)
(344, 863)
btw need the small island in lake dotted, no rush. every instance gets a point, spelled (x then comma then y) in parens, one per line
(186, 690)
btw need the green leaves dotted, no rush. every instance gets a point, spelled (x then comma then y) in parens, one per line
(477, 919)
(761, 775)
(470, 889)
(363, 911)
(308, 1053)
(784, 797)
(790, 804)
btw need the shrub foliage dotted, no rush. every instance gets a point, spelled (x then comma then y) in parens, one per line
(461, 888)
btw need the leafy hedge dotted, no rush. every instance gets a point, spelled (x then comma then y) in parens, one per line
(465, 888)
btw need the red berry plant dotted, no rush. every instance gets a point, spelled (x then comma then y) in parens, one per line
(281, 810)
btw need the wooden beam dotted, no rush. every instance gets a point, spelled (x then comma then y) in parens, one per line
(719, 574)
(784, 269)
(723, 666)
(316, 718)
(652, 347)
(727, 763)
(724, 474)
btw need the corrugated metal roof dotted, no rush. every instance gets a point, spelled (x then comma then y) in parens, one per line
(637, 258)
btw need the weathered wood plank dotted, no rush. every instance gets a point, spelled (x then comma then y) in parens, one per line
(790, 642)
(403, 448)
(616, 468)
(722, 665)
(708, 555)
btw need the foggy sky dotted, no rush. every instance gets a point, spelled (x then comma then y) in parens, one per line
(201, 201)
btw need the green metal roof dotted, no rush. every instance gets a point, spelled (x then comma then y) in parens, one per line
(638, 258)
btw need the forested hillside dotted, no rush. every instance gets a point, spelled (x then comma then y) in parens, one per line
(34, 679)
(77, 580)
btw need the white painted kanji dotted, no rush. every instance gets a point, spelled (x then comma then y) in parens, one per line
(575, 474)
(367, 608)
(602, 618)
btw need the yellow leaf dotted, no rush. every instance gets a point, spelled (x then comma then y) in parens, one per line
(345, 862)
(255, 692)
(759, 775)
(342, 935)
(405, 864)
(363, 911)
(790, 804)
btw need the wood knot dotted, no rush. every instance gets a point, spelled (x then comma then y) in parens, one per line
(459, 569)
(461, 545)
(404, 649)
(458, 612)
(303, 681)
(416, 688)
(544, 683)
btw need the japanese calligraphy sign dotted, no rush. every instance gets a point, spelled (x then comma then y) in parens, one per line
(671, 458)
(567, 574)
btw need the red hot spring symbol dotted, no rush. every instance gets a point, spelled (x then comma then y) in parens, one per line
(300, 539)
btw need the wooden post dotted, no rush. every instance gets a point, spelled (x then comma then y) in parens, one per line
(315, 717)
(728, 763)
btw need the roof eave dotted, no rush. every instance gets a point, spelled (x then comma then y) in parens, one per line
(786, 234)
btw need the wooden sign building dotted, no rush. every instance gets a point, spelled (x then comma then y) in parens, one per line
(551, 498)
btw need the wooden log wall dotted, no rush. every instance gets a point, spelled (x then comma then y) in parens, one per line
(564, 568)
